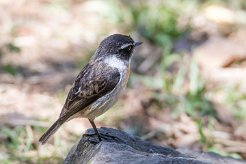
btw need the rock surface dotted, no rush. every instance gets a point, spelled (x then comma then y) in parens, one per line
(119, 147)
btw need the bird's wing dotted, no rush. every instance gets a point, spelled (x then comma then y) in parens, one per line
(94, 81)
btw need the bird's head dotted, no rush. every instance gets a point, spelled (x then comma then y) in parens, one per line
(117, 45)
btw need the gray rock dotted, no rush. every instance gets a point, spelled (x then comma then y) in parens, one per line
(119, 147)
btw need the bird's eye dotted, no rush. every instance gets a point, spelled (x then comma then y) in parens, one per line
(129, 48)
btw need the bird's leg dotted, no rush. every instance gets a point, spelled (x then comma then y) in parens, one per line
(95, 129)
(104, 136)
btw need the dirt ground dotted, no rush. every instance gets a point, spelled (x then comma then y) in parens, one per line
(45, 43)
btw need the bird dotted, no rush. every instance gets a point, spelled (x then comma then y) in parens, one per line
(99, 84)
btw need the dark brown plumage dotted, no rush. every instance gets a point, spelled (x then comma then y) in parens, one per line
(97, 86)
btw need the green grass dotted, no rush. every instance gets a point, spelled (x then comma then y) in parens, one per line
(10, 69)
(17, 142)
(184, 91)
(21, 146)
(235, 101)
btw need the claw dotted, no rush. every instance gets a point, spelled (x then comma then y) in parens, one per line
(92, 140)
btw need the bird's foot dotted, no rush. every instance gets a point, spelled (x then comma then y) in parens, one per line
(90, 137)
(100, 137)
(92, 140)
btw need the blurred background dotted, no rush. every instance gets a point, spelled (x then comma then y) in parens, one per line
(187, 88)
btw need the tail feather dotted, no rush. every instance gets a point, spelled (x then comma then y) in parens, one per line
(50, 132)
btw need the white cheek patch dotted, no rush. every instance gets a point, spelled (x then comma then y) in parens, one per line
(115, 62)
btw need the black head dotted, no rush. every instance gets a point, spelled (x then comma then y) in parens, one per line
(118, 45)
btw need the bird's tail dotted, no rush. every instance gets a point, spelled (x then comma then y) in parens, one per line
(50, 132)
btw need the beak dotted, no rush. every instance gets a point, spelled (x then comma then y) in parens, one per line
(137, 44)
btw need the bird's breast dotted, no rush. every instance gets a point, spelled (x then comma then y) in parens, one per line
(108, 100)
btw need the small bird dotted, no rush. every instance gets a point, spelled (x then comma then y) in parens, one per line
(98, 85)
